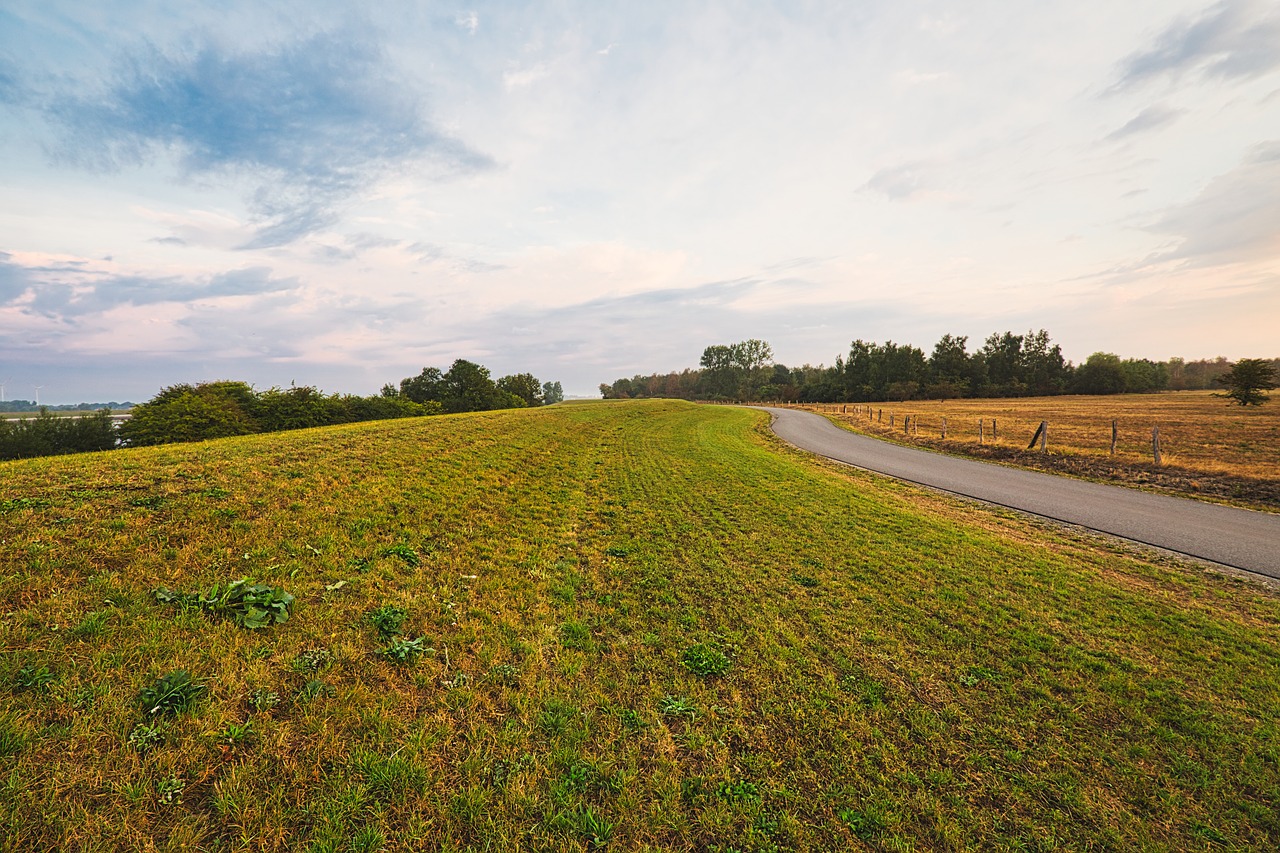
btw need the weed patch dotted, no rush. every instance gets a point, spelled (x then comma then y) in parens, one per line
(245, 602)
(170, 695)
(705, 660)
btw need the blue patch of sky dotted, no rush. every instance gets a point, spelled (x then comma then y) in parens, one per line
(309, 124)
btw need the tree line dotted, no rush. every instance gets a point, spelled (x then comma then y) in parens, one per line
(1006, 365)
(222, 409)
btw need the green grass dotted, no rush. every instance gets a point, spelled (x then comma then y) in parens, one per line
(642, 626)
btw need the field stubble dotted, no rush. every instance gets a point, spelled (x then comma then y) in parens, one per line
(1208, 449)
(632, 626)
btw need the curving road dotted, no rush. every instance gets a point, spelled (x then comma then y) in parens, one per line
(1233, 537)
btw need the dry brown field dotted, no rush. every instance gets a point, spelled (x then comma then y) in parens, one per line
(1208, 448)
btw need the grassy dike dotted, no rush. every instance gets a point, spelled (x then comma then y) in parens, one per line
(630, 626)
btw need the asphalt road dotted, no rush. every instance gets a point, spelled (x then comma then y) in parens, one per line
(1233, 537)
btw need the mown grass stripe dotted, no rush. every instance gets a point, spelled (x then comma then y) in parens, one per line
(902, 670)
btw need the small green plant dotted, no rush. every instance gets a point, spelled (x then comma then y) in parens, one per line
(581, 777)
(505, 674)
(575, 635)
(705, 660)
(404, 650)
(86, 697)
(368, 840)
(262, 699)
(592, 827)
(975, 675)
(22, 503)
(866, 824)
(632, 721)
(11, 739)
(248, 604)
(215, 493)
(169, 791)
(36, 678)
(738, 792)
(677, 706)
(406, 554)
(807, 581)
(92, 625)
(145, 737)
(390, 778)
(311, 660)
(387, 619)
(314, 689)
(235, 734)
(617, 551)
(171, 694)
(502, 770)
(152, 502)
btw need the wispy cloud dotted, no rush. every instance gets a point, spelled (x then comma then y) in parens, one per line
(309, 125)
(1236, 218)
(68, 289)
(1234, 39)
(1152, 118)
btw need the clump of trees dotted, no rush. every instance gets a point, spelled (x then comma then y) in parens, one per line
(222, 409)
(206, 410)
(1006, 365)
(50, 435)
(467, 387)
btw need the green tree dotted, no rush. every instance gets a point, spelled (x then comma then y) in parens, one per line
(1101, 373)
(1248, 380)
(552, 393)
(427, 385)
(193, 413)
(468, 388)
(523, 385)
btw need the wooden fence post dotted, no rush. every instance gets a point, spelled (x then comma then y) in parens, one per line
(891, 419)
(1041, 435)
(944, 428)
(880, 416)
(1113, 437)
(1155, 444)
(979, 430)
(906, 423)
(994, 437)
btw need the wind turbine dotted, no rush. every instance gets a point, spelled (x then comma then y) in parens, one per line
(2, 384)
(37, 387)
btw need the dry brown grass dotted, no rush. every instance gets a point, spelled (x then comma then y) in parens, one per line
(1208, 448)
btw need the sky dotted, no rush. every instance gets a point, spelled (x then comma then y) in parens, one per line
(332, 195)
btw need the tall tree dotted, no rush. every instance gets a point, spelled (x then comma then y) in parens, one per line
(525, 386)
(1248, 380)
(553, 393)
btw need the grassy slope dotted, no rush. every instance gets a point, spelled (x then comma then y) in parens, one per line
(907, 672)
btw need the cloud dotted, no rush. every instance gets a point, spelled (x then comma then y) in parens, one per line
(468, 21)
(903, 181)
(1233, 39)
(69, 289)
(309, 125)
(522, 78)
(1152, 118)
(1236, 218)
(15, 280)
